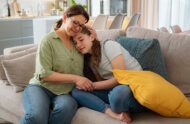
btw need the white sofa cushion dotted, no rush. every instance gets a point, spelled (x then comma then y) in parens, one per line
(175, 49)
(20, 70)
(13, 56)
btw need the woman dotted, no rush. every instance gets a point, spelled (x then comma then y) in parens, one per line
(59, 67)
(109, 97)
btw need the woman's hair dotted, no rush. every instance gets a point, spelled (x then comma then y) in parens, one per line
(73, 11)
(96, 49)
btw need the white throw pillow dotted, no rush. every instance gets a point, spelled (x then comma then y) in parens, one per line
(13, 56)
(20, 70)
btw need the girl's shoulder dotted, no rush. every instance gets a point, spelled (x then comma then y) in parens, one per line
(109, 42)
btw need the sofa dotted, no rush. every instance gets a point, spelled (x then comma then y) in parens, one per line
(175, 50)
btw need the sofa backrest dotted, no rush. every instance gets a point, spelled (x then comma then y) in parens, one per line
(110, 34)
(175, 49)
(15, 49)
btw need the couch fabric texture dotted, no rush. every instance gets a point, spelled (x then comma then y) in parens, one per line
(177, 59)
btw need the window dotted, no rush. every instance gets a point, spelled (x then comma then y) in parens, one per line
(174, 12)
(109, 7)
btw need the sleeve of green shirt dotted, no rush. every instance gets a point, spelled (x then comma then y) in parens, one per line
(44, 61)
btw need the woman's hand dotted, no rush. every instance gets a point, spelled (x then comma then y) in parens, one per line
(83, 83)
(93, 31)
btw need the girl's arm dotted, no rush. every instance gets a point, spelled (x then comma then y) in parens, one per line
(98, 77)
(117, 63)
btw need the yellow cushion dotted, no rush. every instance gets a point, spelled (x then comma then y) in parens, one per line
(155, 93)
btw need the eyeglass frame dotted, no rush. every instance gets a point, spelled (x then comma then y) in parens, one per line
(75, 23)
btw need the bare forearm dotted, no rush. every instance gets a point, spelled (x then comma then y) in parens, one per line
(60, 78)
(98, 77)
(81, 82)
(106, 84)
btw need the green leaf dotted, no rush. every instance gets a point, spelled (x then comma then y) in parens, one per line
(84, 6)
(73, 2)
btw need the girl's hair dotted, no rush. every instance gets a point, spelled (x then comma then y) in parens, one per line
(73, 11)
(96, 49)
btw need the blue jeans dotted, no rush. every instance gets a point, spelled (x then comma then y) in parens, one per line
(120, 99)
(37, 102)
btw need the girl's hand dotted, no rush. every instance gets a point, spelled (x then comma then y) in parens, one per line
(83, 83)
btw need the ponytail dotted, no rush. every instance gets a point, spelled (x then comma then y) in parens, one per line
(58, 24)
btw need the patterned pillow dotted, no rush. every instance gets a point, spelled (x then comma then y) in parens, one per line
(147, 52)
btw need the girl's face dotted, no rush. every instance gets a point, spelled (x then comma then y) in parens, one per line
(83, 43)
(73, 25)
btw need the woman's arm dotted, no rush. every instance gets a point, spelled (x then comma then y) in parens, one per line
(81, 82)
(117, 63)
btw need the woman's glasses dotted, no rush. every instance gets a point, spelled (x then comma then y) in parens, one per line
(75, 23)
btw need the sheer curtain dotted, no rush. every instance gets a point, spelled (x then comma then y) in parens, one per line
(174, 12)
(149, 12)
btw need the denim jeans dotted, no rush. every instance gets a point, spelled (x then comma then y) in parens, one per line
(37, 102)
(120, 99)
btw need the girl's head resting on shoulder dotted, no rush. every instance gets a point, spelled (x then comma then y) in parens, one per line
(74, 18)
(87, 44)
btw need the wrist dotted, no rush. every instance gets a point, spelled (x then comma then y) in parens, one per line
(94, 85)
(75, 78)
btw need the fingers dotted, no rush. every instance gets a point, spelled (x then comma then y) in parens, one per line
(78, 87)
(92, 31)
(85, 85)
(89, 87)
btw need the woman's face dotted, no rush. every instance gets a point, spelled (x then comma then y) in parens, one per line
(83, 43)
(73, 25)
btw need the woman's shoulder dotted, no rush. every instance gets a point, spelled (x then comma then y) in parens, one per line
(49, 37)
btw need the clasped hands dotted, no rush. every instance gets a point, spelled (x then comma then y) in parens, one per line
(83, 83)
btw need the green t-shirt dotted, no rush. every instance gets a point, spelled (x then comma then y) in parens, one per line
(53, 56)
